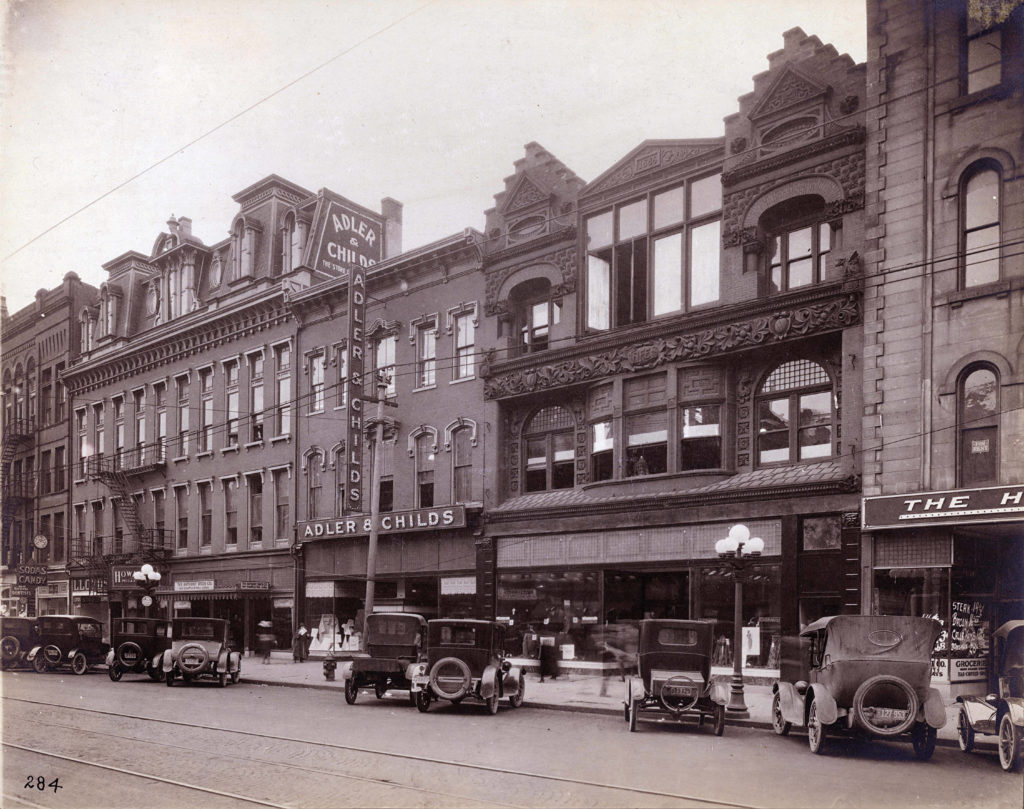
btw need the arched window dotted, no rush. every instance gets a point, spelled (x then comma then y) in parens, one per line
(795, 414)
(462, 465)
(535, 313)
(548, 449)
(425, 453)
(978, 426)
(314, 480)
(798, 241)
(979, 222)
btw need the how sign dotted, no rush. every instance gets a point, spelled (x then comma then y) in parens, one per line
(952, 507)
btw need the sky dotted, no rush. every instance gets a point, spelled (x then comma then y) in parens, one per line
(116, 114)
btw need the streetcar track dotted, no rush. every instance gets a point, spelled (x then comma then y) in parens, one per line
(273, 762)
(148, 776)
(406, 756)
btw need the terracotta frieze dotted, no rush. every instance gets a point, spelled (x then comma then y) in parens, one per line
(775, 327)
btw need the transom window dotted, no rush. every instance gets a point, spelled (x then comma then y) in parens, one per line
(549, 453)
(655, 255)
(978, 426)
(980, 226)
(795, 414)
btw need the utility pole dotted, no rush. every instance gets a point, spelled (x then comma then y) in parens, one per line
(375, 474)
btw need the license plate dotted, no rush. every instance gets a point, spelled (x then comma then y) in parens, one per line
(678, 691)
(892, 714)
(129, 655)
(192, 661)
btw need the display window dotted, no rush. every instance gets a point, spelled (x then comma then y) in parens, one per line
(715, 600)
(560, 608)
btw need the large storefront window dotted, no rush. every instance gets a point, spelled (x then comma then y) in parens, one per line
(543, 606)
(762, 608)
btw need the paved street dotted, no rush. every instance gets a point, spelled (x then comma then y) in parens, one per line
(139, 743)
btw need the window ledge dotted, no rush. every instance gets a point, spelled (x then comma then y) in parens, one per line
(996, 289)
(231, 548)
(994, 93)
(80, 481)
(226, 450)
(206, 454)
(460, 380)
(425, 387)
(181, 551)
(206, 549)
(255, 546)
(278, 438)
(282, 543)
(179, 459)
(253, 444)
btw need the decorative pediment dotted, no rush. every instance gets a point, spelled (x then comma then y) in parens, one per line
(790, 89)
(649, 157)
(526, 193)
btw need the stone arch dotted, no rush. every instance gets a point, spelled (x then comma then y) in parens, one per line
(818, 185)
(1002, 158)
(423, 429)
(530, 273)
(458, 424)
(956, 369)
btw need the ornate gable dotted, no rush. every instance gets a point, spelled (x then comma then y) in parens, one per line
(790, 89)
(526, 193)
(645, 161)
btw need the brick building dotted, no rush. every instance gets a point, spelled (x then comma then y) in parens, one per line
(39, 342)
(944, 323)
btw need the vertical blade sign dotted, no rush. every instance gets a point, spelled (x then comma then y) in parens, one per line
(354, 383)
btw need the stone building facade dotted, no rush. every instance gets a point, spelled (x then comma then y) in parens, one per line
(944, 323)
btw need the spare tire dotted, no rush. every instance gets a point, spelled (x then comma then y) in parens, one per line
(192, 658)
(679, 693)
(129, 654)
(896, 694)
(450, 678)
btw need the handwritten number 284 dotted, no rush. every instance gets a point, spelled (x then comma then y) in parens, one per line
(39, 782)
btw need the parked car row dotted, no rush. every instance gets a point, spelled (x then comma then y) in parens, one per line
(850, 675)
(185, 648)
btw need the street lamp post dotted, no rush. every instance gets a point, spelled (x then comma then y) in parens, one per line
(735, 550)
(147, 578)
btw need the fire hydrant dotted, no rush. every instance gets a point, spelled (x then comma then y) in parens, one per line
(330, 664)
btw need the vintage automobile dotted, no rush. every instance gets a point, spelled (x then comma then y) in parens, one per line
(200, 648)
(1001, 712)
(17, 637)
(395, 642)
(137, 645)
(74, 640)
(466, 658)
(674, 658)
(864, 674)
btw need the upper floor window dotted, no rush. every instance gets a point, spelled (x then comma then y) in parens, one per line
(256, 397)
(980, 234)
(283, 390)
(978, 426)
(464, 353)
(798, 242)
(700, 437)
(384, 360)
(655, 255)
(426, 353)
(231, 511)
(982, 57)
(549, 450)
(462, 465)
(425, 470)
(795, 414)
(139, 400)
(316, 382)
(314, 497)
(646, 425)
(184, 403)
(206, 410)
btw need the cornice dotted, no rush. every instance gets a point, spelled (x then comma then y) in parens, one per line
(850, 137)
(493, 260)
(768, 322)
(848, 485)
(156, 349)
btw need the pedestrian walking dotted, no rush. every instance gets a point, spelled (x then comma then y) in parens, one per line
(300, 644)
(264, 639)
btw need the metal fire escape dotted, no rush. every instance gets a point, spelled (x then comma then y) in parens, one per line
(18, 489)
(141, 544)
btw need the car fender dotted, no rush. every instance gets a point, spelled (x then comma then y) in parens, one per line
(344, 670)
(168, 661)
(73, 652)
(718, 690)
(223, 660)
(155, 662)
(635, 689)
(235, 661)
(828, 710)
(488, 682)
(1015, 707)
(510, 681)
(33, 652)
(110, 658)
(934, 709)
(792, 703)
(978, 709)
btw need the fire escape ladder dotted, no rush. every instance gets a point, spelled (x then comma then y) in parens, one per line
(17, 489)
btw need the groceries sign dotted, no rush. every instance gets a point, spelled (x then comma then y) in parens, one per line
(954, 507)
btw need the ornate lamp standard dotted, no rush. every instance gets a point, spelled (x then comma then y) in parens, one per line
(735, 550)
(147, 579)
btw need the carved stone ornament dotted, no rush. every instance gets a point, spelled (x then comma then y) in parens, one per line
(778, 326)
(849, 105)
(738, 145)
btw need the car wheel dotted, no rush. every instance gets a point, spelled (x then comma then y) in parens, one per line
(886, 689)
(114, 672)
(815, 730)
(412, 697)
(79, 663)
(39, 663)
(10, 646)
(351, 690)
(380, 688)
(719, 720)
(779, 725)
(222, 679)
(634, 710)
(1009, 744)
(236, 675)
(156, 674)
(964, 731)
(923, 737)
(492, 703)
(169, 679)
(423, 700)
(517, 698)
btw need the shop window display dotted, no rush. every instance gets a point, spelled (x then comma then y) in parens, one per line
(762, 607)
(552, 608)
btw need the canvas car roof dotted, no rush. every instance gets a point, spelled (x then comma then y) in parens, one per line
(1007, 628)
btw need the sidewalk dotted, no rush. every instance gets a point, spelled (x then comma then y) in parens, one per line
(569, 692)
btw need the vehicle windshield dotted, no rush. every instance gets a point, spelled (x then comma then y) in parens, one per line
(676, 636)
(87, 629)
